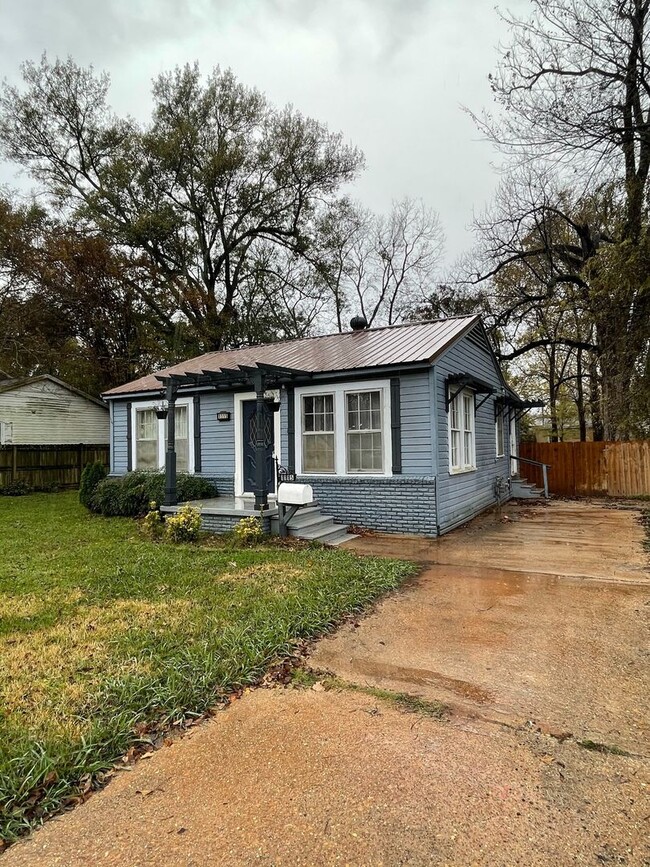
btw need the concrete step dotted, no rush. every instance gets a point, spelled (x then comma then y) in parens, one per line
(313, 530)
(522, 490)
(336, 534)
(301, 520)
(310, 523)
(342, 537)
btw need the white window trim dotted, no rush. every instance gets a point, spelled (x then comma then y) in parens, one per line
(240, 397)
(500, 440)
(301, 431)
(465, 468)
(162, 445)
(340, 434)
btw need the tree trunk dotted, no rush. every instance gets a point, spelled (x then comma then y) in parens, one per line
(580, 399)
(552, 389)
(595, 401)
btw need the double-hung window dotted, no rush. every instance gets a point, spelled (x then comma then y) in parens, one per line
(344, 429)
(150, 434)
(318, 433)
(364, 441)
(461, 433)
(147, 448)
(181, 438)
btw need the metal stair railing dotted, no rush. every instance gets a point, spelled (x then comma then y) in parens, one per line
(545, 469)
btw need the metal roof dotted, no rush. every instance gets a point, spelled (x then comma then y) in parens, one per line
(352, 350)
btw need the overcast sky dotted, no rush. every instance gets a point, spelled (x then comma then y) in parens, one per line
(390, 74)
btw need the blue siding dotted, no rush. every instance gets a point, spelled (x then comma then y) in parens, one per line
(463, 495)
(415, 418)
(119, 445)
(218, 440)
(217, 437)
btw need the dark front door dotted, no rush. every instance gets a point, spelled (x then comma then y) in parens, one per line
(249, 421)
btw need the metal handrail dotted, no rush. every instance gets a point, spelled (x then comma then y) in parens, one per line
(545, 469)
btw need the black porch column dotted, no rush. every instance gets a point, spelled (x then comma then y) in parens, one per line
(171, 498)
(261, 480)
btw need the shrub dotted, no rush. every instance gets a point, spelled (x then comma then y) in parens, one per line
(247, 532)
(15, 489)
(91, 476)
(152, 523)
(184, 526)
(130, 495)
(48, 488)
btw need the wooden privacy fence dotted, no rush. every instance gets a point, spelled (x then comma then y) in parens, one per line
(591, 469)
(48, 466)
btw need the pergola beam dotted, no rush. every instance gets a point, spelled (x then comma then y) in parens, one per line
(260, 377)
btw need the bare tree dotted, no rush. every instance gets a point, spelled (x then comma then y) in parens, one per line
(383, 267)
(573, 87)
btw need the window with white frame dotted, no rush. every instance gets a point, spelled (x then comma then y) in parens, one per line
(150, 435)
(364, 439)
(499, 431)
(181, 437)
(147, 447)
(461, 433)
(344, 429)
(318, 441)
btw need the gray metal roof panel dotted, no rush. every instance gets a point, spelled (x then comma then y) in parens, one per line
(351, 350)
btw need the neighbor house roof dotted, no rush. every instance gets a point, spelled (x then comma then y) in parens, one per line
(10, 384)
(352, 350)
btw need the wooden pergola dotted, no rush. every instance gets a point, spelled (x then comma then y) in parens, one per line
(259, 378)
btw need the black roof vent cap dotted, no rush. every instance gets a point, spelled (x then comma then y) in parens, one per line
(358, 323)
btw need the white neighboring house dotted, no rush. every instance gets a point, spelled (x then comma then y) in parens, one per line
(43, 410)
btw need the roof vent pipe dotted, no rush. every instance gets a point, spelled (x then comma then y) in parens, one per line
(358, 323)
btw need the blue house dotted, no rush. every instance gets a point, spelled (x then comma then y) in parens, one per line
(408, 429)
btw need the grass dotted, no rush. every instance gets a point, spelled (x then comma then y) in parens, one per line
(306, 678)
(107, 639)
(609, 749)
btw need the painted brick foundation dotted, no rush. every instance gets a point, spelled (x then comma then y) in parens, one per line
(397, 504)
(225, 523)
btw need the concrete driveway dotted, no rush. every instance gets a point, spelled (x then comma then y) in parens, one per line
(532, 625)
(536, 616)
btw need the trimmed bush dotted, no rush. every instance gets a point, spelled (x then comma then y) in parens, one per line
(130, 495)
(91, 476)
(15, 489)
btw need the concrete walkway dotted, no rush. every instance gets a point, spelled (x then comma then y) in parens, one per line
(534, 629)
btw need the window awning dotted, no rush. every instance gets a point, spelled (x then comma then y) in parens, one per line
(458, 381)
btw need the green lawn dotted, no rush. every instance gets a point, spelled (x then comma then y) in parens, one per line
(105, 635)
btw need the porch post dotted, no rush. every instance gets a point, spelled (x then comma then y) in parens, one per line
(171, 498)
(261, 480)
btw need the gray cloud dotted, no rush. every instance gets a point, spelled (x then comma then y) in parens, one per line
(391, 74)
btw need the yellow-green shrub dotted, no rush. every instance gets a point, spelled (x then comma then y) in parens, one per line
(152, 523)
(248, 531)
(184, 526)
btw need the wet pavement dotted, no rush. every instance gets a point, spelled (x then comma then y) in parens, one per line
(540, 646)
(530, 628)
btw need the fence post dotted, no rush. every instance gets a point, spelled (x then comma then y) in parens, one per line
(14, 463)
(81, 460)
